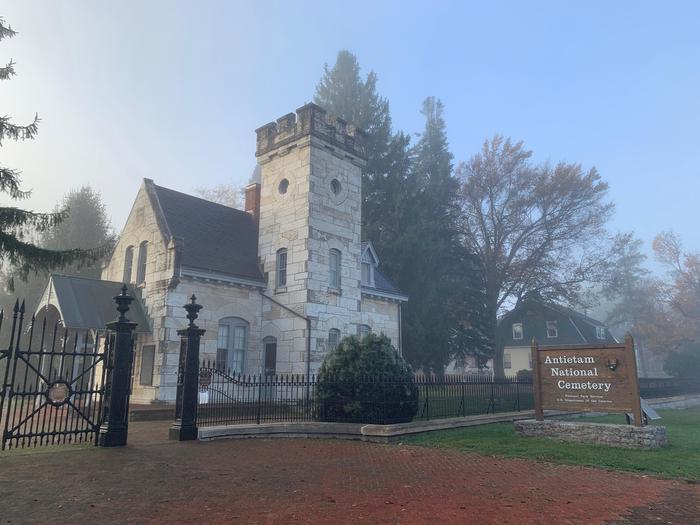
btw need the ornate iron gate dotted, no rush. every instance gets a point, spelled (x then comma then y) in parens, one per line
(53, 382)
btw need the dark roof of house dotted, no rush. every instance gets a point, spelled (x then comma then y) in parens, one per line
(88, 304)
(533, 312)
(216, 237)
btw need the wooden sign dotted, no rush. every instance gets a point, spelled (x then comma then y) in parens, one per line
(586, 378)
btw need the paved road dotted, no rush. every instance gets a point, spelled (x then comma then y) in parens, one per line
(320, 481)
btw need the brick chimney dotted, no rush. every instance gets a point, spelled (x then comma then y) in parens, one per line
(252, 201)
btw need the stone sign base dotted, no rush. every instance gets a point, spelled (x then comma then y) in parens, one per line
(626, 436)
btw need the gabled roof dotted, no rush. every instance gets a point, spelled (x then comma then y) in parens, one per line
(216, 238)
(533, 312)
(88, 304)
(368, 247)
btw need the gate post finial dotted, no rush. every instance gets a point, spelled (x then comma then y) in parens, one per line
(119, 356)
(184, 427)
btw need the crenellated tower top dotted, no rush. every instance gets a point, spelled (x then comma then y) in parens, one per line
(313, 120)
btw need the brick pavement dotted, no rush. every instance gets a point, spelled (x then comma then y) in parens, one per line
(320, 481)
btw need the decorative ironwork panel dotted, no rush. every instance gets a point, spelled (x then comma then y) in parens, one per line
(53, 383)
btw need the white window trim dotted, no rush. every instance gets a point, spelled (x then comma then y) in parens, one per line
(554, 324)
(600, 332)
(522, 333)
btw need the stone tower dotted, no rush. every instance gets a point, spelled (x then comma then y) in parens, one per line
(310, 206)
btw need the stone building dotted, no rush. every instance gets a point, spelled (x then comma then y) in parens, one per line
(281, 282)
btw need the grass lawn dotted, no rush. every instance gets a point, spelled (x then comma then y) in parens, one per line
(681, 459)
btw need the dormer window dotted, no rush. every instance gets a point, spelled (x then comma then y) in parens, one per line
(368, 264)
(600, 332)
(517, 330)
(552, 330)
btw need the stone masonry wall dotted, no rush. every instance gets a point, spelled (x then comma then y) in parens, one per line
(382, 315)
(625, 436)
(142, 225)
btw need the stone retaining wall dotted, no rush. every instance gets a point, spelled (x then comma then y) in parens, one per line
(625, 436)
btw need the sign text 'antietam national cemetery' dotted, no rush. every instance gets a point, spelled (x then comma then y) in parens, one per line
(587, 378)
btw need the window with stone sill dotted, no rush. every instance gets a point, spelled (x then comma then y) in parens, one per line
(281, 267)
(334, 263)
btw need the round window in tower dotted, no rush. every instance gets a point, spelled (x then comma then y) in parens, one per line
(336, 187)
(284, 185)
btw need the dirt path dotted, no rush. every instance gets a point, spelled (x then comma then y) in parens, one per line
(320, 481)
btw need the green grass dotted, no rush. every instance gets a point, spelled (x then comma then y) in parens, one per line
(681, 459)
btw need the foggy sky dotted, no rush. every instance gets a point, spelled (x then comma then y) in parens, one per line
(172, 90)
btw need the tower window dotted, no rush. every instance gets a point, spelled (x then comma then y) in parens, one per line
(128, 264)
(281, 281)
(333, 338)
(334, 269)
(283, 187)
(335, 186)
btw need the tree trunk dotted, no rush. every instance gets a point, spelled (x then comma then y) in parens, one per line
(492, 313)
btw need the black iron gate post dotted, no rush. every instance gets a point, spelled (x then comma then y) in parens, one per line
(184, 428)
(114, 429)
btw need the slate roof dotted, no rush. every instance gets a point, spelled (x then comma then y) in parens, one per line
(533, 312)
(88, 304)
(216, 238)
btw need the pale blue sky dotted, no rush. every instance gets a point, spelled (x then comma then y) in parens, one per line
(172, 90)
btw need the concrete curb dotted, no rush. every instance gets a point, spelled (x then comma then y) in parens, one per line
(357, 431)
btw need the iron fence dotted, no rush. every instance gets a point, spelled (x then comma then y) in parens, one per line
(229, 398)
(654, 387)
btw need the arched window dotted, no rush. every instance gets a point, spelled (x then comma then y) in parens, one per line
(231, 344)
(363, 331)
(128, 263)
(281, 267)
(333, 338)
(270, 344)
(141, 266)
(334, 268)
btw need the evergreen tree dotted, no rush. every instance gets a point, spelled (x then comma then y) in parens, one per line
(409, 212)
(20, 228)
(86, 225)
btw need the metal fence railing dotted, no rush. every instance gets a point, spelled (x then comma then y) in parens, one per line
(654, 387)
(226, 398)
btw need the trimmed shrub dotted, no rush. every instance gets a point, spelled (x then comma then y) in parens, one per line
(524, 376)
(366, 382)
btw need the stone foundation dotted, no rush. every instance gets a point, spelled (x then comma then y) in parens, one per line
(625, 436)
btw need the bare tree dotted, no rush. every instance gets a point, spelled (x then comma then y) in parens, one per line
(226, 194)
(534, 227)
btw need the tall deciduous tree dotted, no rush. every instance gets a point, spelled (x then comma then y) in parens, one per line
(534, 227)
(19, 228)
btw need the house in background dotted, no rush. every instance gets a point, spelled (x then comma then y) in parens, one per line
(550, 324)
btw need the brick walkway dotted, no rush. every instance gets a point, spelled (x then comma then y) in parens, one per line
(320, 481)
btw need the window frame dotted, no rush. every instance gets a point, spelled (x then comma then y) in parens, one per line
(522, 331)
(333, 332)
(229, 361)
(600, 333)
(363, 330)
(335, 264)
(549, 325)
(281, 269)
(151, 363)
(507, 360)
(142, 263)
(128, 264)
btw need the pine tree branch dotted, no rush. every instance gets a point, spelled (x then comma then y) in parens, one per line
(14, 218)
(26, 258)
(6, 32)
(16, 132)
(9, 183)
(7, 71)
